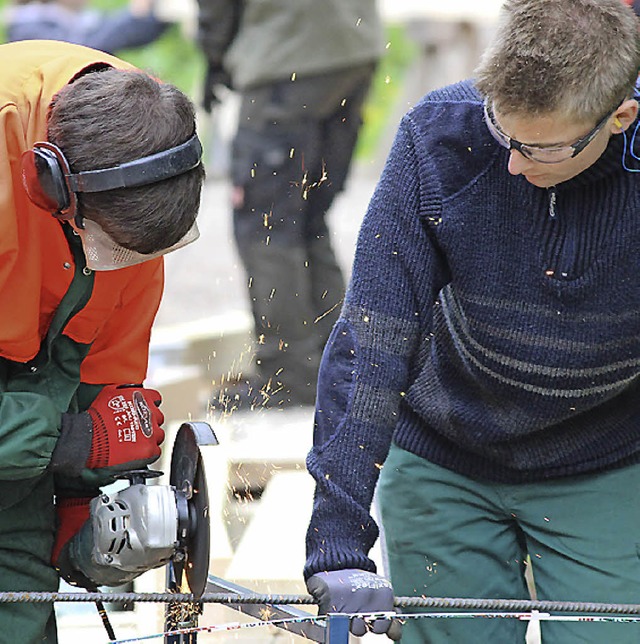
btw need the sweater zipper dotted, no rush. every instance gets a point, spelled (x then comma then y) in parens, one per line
(553, 196)
(566, 256)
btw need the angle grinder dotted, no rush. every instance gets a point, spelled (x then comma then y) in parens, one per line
(147, 526)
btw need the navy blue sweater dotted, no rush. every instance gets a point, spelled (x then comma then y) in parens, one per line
(490, 326)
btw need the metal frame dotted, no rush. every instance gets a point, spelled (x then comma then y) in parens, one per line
(335, 631)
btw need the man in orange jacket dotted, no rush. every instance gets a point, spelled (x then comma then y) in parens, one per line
(81, 279)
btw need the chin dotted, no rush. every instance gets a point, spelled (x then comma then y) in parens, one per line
(540, 182)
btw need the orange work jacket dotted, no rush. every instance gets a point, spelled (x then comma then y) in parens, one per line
(36, 263)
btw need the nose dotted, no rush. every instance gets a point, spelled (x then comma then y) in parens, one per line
(517, 163)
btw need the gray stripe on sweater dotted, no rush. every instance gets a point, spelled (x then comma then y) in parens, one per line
(531, 368)
(381, 332)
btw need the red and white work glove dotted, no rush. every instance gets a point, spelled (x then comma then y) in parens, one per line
(126, 424)
(121, 429)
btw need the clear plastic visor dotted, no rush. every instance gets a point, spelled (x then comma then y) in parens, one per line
(104, 254)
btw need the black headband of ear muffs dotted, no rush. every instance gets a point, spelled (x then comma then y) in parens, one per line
(52, 186)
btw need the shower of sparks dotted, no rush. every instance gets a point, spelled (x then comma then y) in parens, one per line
(184, 613)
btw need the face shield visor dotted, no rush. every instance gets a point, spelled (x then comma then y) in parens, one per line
(104, 254)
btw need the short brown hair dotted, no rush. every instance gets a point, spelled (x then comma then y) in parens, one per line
(112, 116)
(577, 57)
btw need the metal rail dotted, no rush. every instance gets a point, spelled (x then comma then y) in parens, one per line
(280, 610)
(270, 609)
(237, 597)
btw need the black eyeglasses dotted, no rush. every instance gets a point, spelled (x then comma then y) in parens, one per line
(539, 153)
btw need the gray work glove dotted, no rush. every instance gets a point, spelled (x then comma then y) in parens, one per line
(356, 591)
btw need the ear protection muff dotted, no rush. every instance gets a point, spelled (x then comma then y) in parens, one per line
(43, 176)
(52, 186)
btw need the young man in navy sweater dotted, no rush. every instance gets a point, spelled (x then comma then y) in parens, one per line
(488, 350)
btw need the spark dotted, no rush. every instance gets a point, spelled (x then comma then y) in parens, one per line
(328, 311)
(306, 186)
(266, 614)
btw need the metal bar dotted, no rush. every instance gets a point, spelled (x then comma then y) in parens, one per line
(310, 630)
(337, 629)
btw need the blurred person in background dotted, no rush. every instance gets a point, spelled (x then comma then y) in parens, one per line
(303, 70)
(75, 22)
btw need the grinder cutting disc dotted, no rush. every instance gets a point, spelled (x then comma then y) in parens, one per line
(188, 477)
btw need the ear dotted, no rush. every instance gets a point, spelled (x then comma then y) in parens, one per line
(624, 116)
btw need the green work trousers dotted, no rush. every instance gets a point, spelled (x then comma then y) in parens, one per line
(26, 540)
(450, 536)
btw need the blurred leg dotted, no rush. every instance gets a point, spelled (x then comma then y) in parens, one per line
(287, 138)
(269, 231)
(287, 349)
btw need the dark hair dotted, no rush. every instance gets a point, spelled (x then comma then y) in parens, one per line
(111, 116)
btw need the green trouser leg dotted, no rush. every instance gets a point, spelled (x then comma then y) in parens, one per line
(444, 540)
(451, 536)
(583, 535)
(26, 540)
